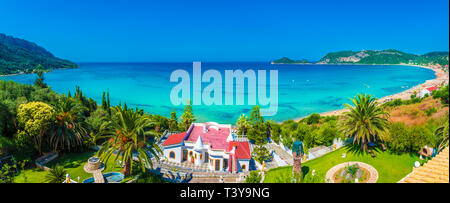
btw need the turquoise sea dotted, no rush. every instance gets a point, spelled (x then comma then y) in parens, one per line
(302, 89)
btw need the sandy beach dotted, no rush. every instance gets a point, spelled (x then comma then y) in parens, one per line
(441, 78)
(12, 74)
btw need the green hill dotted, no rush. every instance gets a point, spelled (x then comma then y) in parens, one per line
(21, 56)
(389, 56)
(286, 60)
(436, 57)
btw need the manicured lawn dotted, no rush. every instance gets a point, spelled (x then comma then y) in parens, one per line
(73, 163)
(32, 176)
(391, 167)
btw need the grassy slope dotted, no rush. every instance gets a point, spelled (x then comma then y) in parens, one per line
(391, 167)
(414, 114)
(38, 176)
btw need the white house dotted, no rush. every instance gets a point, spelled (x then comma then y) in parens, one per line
(209, 143)
(427, 90)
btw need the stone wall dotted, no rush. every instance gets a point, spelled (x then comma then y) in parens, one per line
(41, 161)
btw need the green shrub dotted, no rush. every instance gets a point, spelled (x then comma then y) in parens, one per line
(430, 111)
(150, 177)
(302, 132)
(442, 94)
(253, 177)
(276, 131)
(308, 178)
(56, 175)
(404, 139)
(313, 119)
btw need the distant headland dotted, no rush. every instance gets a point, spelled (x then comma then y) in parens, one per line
(286, 60)
(18, 56)
(376, 57)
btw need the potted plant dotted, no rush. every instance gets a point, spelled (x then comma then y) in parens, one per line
(192, 159)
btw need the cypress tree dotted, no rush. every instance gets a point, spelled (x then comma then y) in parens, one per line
(108, 104)
(104, 101)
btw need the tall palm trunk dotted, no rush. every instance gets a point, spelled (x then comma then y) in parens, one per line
(364, 147)
(126, 168)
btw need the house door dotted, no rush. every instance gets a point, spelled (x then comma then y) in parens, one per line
(225, 164)
(206, 157)
(217, 164)
(185, 155)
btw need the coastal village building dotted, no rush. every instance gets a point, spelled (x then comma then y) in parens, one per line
(209, 143)
(426, 91)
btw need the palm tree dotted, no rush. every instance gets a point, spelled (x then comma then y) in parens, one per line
(69, 129)
(365, 121)
(129, 133)
(160, 124)
(93, 139)
(56, 175)
(442, 136)
(243, 124)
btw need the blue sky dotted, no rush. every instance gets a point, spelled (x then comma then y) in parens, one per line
(172, 31)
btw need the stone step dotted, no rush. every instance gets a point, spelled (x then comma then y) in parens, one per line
(281, 153)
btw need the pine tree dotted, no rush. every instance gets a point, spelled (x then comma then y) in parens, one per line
(188, 116)
(173, 122)
(258, 134)
(258, 128)
(39, 82)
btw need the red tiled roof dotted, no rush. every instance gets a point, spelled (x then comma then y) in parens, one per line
(434, 171)
(217, 139)
(242, 149)
(432, 88)
(174, 139)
